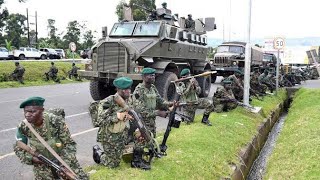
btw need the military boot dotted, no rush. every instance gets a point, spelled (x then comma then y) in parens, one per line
(97, 152)
(205, 120)
(138, 162)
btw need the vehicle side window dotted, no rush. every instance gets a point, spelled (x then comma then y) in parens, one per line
(21, 49)
(28, 49)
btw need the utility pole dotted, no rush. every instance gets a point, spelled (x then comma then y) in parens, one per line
(246, 88)
(28, 28)
(230, 21)
(37, 46)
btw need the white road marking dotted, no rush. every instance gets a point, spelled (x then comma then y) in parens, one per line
(73, 135)
(10, 129)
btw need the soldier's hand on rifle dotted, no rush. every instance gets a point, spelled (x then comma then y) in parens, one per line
(162, 113)
(36, 160)
(124, 116)
(138, 135)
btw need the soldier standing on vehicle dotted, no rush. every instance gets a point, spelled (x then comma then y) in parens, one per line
(113, 128)
(190, 92)
(54, 131)
(18, 73)
(224, 99)
(52, 73)
(148, 101)
(74, 71)
(190, 23)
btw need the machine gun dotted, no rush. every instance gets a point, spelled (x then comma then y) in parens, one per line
(61, 171)
(154, 150)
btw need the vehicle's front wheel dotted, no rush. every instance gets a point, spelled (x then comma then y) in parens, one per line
(43, 56)
(99, 90)
(22, 57)
(166, 89)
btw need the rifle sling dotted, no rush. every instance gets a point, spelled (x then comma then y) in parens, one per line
(43, 142)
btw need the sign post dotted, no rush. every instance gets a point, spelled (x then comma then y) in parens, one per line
(73, 48)
(278, 43)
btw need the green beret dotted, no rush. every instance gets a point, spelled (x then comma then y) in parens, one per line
(32, 101)
(148, 71)
(123, 82)
(185, 72)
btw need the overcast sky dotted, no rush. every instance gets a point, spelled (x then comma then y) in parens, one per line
(288, 18)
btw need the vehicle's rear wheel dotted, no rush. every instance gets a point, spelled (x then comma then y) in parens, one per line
(99, 90)
(22, 57)
(166, 89)
(205, 84)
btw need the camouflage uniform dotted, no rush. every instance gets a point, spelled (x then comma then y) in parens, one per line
(18, 73)
(222, 100)
(52, 73)
(237, 87)
(147, 101)
(190, 96)
(73, 72)
(112, 133)
(55, 132)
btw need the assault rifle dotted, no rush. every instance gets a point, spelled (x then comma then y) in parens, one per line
(251, 108)
(145, 133)
(208, 73)
(61, 171)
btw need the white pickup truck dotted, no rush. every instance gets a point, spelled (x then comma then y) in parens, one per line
(27, 53)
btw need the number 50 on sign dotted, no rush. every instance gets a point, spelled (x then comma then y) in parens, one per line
(278, 43)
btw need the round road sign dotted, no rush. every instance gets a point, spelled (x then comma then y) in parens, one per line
(72, 46)
(278, 43)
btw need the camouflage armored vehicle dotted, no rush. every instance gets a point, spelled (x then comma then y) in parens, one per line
(161, 44)
(231, 56)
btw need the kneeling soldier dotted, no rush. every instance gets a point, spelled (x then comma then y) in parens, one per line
(223, 98)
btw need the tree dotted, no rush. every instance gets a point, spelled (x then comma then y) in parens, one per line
(53, 40)
(88, 40)
(139, 14)
(73, 34)
(15, 28)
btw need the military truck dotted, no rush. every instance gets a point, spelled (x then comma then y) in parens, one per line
(161, 44)
(231, 56)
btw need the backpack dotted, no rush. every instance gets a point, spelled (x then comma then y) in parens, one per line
(93, 111)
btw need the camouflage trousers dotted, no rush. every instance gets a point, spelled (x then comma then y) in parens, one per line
(42, 171)
(113, 148)
(224, 107)
(17, 77)
(203, 103)
(150, 123)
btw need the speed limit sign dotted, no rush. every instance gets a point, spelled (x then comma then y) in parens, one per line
(278, 43)
(72, 46)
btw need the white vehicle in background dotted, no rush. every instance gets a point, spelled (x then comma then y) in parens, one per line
(27, 53)
(4, 53)
(61, 53)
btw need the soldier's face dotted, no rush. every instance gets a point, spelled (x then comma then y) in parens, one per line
(33, 114)
(149, 78)
(124, 93)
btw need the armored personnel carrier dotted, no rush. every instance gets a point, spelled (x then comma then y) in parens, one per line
(163, 44)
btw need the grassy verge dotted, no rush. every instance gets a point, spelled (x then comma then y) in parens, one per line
(34, 74)
(297, 152)
(197, 151)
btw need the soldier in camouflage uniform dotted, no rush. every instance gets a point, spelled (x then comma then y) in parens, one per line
(52, 73)
(148, 101)
(54, 130)
(190, 91)
(237, 84)
(74, 72)
(254, 82)
(314, 73)
(113, 128)
(224, 99)
(18, 73)
(190, 23)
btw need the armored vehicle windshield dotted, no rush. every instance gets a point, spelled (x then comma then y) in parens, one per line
(136, 29)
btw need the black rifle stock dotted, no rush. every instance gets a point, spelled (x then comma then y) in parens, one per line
(63, 172)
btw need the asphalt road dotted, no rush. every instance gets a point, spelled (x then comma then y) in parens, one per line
(73, 98)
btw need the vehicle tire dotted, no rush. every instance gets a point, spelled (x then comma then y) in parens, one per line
(22, 57)
(205, 84)
(213, 77)
(43, 56)
(166, 89)
(99, 90)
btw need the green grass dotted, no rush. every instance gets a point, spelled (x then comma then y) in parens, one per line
(34, 74)
(197, 151)
(297, 152)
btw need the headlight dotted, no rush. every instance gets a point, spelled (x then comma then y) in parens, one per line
(211, 62)
(234, 63)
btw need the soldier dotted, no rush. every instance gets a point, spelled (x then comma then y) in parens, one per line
(224, 99)
(190, 92)
(163, 13)
(190, 24)
(18, 73)
(237, 84)
(113, 128)
(74, 71)
(314, 73)
(148, 101)
(54, 130)
(52, 73)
